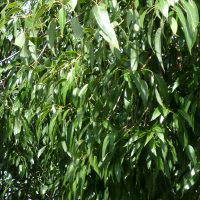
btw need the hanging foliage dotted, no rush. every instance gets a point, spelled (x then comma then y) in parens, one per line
(99, 99)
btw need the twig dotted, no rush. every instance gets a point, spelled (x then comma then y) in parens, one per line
(45, 46)
(8, 58)
(118, 100)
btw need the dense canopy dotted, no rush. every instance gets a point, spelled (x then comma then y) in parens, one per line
(99, 99)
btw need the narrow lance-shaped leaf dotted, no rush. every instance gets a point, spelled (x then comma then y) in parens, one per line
(164, 7)
(51, 31)
(142, 87)
(134, 58)
(186, 28)
(102, 18)
(186, 117)
(62, 20)
(192, 14)
(173, 25)
(38, 14)
(191, 154)
(158, 46)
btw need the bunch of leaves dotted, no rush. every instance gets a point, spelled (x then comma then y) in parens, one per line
(99, 100)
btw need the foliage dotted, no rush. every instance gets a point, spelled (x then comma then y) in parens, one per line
(99, 100)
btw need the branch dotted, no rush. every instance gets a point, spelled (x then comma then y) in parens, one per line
(8, 58)
(45, 46)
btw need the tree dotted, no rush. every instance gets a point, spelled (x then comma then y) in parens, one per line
(99, 99)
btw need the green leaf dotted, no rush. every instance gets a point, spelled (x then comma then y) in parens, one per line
(156, 114)
(191, 154)
(158, 46)
(39, 13)
(64, 146)
(149, 137)
(173, 24)
(159, 98)
(162, 86)
(141, 20)
(62, 20)
(105, 145)
(192, 14)
(52, 125)
(51, 2)
(32, 49)
(20, 40)
(77, 29)
(134, 58)
(41, 151)
(51, 32)
(107, 31)
(118, 170)
(186, 28)
(24, 51)
(83, 90)
(142, 88)
(149, 33)
(94, 163)
(164, 7)
(72, 4)
(17, 126)
(43, 189)
(186, 117)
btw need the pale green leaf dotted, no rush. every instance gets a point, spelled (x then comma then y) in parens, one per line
(158, 46)
(77, 29)
(102, 18)
(50, 3)
(134, 58)
(149, 137)
(64, 146)
(17, 126)
(164, 7)
(156, 114)
(41, 151)
(83, 90)
(72, 4)
(32, 49)
(62, 20)
(159, 98)
(141, 20)
(173, 25)
(192, 14)
(20, 40)
(43, 189)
